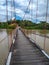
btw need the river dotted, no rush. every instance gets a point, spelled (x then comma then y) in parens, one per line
(5, 39)
(40, 38)
(4, 46)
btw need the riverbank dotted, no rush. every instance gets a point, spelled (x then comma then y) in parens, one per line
(6, 25)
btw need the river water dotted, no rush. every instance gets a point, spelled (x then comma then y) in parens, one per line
(40, 40)
(4, 46)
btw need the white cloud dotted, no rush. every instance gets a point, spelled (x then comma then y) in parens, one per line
(32, 6)
(20, 10)
(2, 2)
(22, 2)
(19, 13)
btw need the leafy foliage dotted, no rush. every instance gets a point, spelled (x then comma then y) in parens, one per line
(7, 25)
(25, 24)
(30, 25)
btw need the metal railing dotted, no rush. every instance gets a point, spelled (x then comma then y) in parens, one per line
(5, 44)
(40, 40)
(12, 38)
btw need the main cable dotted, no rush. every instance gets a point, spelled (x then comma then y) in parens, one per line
(6, 10)
(26, 9)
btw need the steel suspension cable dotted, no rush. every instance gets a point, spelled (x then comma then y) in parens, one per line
(7, 20)
(14, 8)
(32, 10)
(46, 10)
(26, 9)
(31, 13)
(36, 18)
(45, 23)
(6, 10)
(11, 9)
(37, 11)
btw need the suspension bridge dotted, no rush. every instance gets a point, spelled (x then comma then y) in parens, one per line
(23, 51)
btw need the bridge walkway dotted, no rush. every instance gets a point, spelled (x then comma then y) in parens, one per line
(26, 53)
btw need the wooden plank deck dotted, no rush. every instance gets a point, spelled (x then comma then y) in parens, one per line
(26, 53)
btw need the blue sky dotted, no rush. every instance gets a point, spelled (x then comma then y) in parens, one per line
(20, 10)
